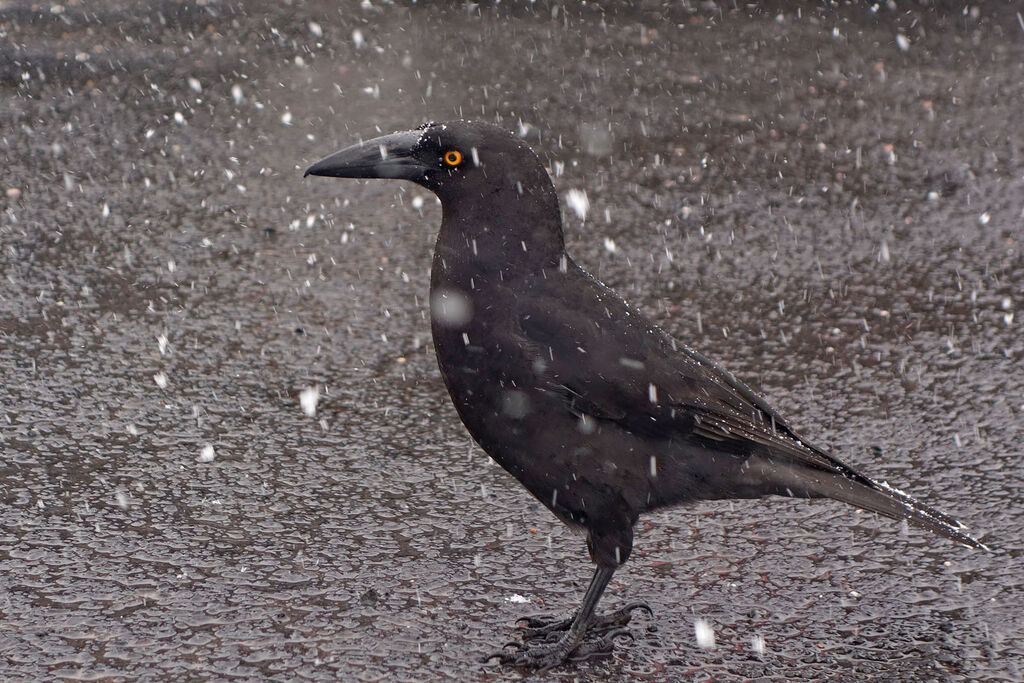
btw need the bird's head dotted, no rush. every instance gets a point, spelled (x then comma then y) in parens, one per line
(453, 158)
(495, 192)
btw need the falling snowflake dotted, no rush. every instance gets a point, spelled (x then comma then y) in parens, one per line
(308, 398)
(705, 634)
(578, 202)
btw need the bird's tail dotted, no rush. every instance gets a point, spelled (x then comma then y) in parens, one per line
(849, 486)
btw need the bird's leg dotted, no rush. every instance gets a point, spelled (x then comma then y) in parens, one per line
(545, 655)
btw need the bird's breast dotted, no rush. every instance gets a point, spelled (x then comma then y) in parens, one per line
(479, 352)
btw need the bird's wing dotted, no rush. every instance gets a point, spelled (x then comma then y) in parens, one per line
(609, 362)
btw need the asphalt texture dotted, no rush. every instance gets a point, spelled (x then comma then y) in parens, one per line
(830, 201)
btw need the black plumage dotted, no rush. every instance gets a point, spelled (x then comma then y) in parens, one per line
(595, 410)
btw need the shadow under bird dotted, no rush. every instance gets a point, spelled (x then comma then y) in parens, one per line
(595, 410)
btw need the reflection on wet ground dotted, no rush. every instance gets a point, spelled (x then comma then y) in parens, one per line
(829, 202)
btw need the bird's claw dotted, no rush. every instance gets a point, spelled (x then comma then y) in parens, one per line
(541, 657)
(501, 654)
(602, 645)
(544, 656)
(552, 644)
(536, 626)
(539, 626)
(622, 616)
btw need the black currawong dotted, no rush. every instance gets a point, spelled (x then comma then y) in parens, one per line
(595, 410)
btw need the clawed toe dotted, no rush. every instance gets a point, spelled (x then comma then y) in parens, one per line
(639, 604)
(600, 646)
(502, 654)
(540, 657)
(537, 620)
(620, 617)
(613, 622)
(534, 627)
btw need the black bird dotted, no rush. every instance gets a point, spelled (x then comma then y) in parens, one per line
(595, 410)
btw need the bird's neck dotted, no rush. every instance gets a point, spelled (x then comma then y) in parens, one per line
(502, 234)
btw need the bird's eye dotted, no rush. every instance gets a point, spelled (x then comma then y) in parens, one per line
(453, 157)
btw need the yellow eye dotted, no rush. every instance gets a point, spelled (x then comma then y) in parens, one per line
(453, 157)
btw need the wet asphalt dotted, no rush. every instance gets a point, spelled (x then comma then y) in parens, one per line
(831, 202)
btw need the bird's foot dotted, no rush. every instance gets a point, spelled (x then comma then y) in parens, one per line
(549, 642)
(539, 626)
(545, 655)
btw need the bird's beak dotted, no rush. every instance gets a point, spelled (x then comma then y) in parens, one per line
(389, 156)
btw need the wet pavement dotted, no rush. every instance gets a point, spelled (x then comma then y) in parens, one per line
(830, 202)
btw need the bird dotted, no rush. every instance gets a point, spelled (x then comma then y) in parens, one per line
(594, 409)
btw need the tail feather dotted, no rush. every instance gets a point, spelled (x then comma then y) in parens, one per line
(882, 498)
(851, 487)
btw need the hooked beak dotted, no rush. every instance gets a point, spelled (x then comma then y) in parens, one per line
(389, 156)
